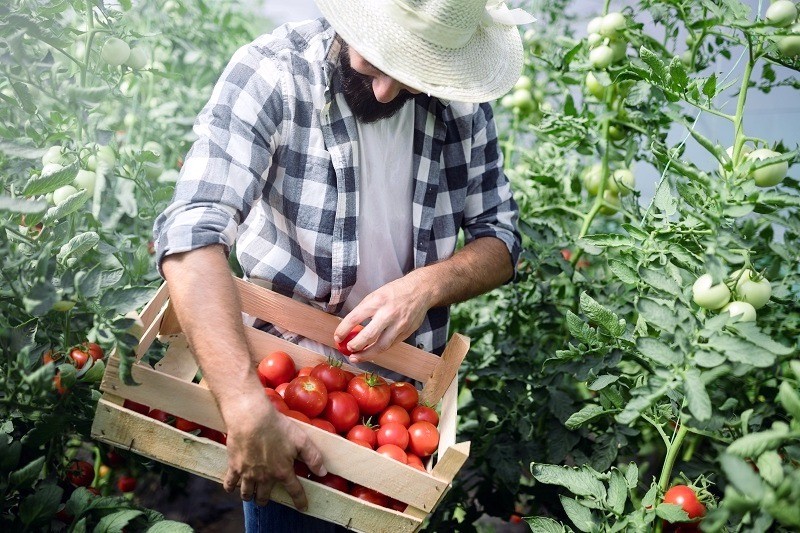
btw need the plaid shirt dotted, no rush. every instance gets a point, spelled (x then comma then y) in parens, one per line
(275, 170)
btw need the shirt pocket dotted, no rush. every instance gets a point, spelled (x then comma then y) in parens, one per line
(309, 191)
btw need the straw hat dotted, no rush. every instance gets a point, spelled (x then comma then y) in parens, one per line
(462, 50)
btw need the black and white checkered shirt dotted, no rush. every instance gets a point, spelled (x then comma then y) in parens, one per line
(275, 169)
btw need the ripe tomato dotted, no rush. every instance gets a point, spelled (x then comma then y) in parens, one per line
(301, 469)
(126, 483)
(349, 375)
(321, 423)
(342, 346)
(371, 392)
(515, 519)
(80, 473)
(423, 412)
(114, 459)
(331, 374)
(687, 499)
(363, 443)
(213, 434)
(306, 394)
(94, 351)
(162, 416)
(710, 296)
(393, 433)
(140, 408)
(276, 368)
(341, 411)
(61, 389)
(47, 357)
(186, 425)
(369, 495)
(276, 399)
(396, 505)
(393, 451)
(333, 481)
(423, 438)
(78, 357)
(281, 389)
(403, 394)
(415, 462)
(394, 413)
(297, 415)
(363, 433)
(305, 371)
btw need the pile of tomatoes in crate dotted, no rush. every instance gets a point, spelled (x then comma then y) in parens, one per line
(364, 409)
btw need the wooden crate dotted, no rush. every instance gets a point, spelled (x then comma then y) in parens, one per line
(169, 387)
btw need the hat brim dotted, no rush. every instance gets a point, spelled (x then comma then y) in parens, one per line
(484, 69)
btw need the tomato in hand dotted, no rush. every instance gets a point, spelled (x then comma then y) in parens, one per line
(331, 374)
(393, 451)
(393, 433)
(423, 438)
(403, 394)
(341, 411)
(363, 433)
(80, 473)
(306, 394)
(687, 499)
(276, 368)
(371, 392)
(342, 346)
(424, 413)
(369, 495)
(394, 413)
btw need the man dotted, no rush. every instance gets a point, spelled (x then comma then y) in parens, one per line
(341, 158)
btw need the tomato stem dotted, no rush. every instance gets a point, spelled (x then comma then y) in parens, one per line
(672, 454)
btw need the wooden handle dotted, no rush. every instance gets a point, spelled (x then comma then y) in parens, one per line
(447, 369)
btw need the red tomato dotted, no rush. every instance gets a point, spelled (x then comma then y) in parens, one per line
(297, 415)
(396, 505)
(126, 483)
(403, 394)
(395, 413)
(321, 423)
(47, 357)
(140, 408)
(341, 411)
(186, 425)
(687, 499)
(62, 389)
(281, 389)
(331, 374)
(371, 392)
(349, 375)
(114, 459)
(363, 433)
(515, 519)
(342, 346)
(305, 371)
(415, 462)
(393, 451)
(333, 481)
(78, 357)
(302, 470)
(213, 434)
(363, 443)
(162, 416)
(424, 413)
(276, 368)
(80, 473)
(276, 399)
(423, 438)
(393, 433)
(369, 495)
(306, 394)
(94, 351)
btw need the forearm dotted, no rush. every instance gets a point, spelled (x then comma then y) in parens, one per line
(208, 308)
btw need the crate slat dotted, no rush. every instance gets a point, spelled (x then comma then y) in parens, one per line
(178, 360)
(445, 372)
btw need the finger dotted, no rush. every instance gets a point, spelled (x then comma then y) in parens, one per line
(247, 489)
(231, 480)
(358, 315)
(263, 491)
(367, 336)
(311, 456)
(295, 490)
(383, 343)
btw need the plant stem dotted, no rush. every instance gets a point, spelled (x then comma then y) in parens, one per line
(672, 454)
(738, 134)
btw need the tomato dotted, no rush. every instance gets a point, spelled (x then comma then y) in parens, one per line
(771, 174)
(396, 505)
(424, 413)
(363, 443)
(213, 434)
(789, 45)
(371, 392)
(58, 386)
(743, 310)
(756, 293)
(78, 357)
(276, 399)
(136, 407)
(393, 451)
(687, 499)
(281, 389)
(622, 181)
(393, 433)
(85, 179)
(423, 438)
(394, 413)
(301, 469)
(80, 473)
(781, 13)
(611, 203)
(364, 434)
(522, 99)
(612, 24)
(333, 481)
(619, 50)
(126, 483)
(321, 423)
(601, 57)
(276, 368)
(306, 394)
(115, 52)
(707, 296)
(349, 375)
(403, 394)
(94, 351)
(369, 495)
(331, 374)
(342, 346)
(592, 177)
(305, 371)
(186, 425)
(594, 25)
(161, 416)
(593, 39)
(55, 155)
(103, 471)
(415, 462)
(47, 357)
(104, 156)
(524, 82)
(138, 58)
(594, 87)
(297, 415)
(114, 459)
(341, 411)
(61, 194)
(515, 519)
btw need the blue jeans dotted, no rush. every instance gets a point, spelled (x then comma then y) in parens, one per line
(277, 518)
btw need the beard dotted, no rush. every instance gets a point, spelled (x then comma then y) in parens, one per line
(358, 93)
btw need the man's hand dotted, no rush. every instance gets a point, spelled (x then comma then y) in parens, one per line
(262, 447)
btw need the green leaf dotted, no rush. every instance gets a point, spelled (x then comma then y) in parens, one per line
(78, 246)
(650, 497)
(587, 413)
(659, 352)
(770, 467)
(39, 507)
(710, 86)
(169, 526)
(115, 522)
(73, 203)
(738, 350)
(658, 315)
(617, 492)
(752, 333)
(49, 182)
(741, 476)
(602, 382)
(671, 512)
(21, 205)
(580, 329)
(605, 241)
(9, 454)
(601, 316)
(625, 273)
(541, 524)
(579, 481)
(580, 515)
(754, 444)
(696, 395)
(20, 151)
(632, 475)
(127, 299)
(95, 373)
(664, 200)
(678, 73)
(708, 359)
(657, 66)
(660, 282)
(25, 477)
(40, 298)
(790, 399)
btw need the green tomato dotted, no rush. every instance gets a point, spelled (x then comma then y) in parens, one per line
(129, 120)
(756, 293)
(61, 194)
(771, 174)
(507, 101)
(622, 181)
(613, 203)
(594, 87)
(62, 306)
(85, 180)
(153, 170)
(709, 296)
(524, 82)
(55, 154)
(781, 13)
(115, 52)
(743, 310)
(686, 59)
(137, 59)
(522, 99)
(602, 56)
(592, 177)
(789, 45)
(593, 39)
(594, 25)
(746, 149)
(619, 48)
(612, 24)
(104, 156)
(616, 133)
(152, 146)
